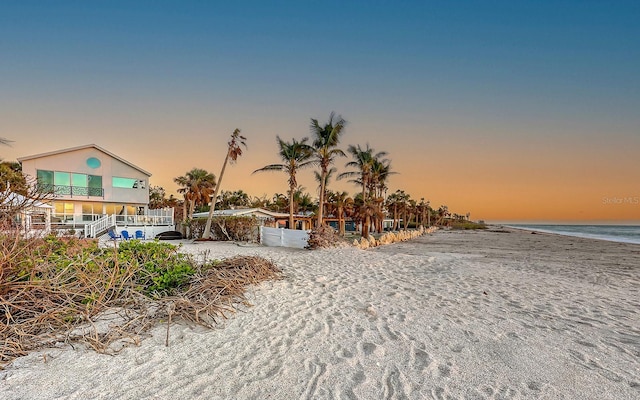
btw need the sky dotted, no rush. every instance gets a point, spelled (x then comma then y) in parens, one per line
(521, 111)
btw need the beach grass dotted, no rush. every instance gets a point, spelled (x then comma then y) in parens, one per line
(466, 225)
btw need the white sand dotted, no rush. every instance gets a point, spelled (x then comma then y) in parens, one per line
(452, 315)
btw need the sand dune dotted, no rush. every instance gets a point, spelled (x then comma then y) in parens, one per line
(452, 315)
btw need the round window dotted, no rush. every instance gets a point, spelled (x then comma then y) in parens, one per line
(93, 162)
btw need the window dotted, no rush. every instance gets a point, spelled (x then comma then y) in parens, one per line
(79, 180)
(63, 212)
(62, 178)
(69, 184)
(95, 181)
(45, 180)
(91, 211)
(128, 183)
(45, 177)
(111, 209)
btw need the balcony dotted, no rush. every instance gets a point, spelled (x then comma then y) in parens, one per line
(71, 191)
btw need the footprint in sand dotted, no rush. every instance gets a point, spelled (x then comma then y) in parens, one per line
(367, 348)
(421, 359)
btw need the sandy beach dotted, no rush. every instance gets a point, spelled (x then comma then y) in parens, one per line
(502, 314)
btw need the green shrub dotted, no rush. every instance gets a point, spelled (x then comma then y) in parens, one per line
(467, 225)
(158, 267)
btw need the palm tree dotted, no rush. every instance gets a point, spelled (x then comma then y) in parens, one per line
(363, 163)
(279, 202)
(234, 150)
(422, 211)
(340, 201)
(325, 141)
(197, 186)
(397, 202)
(302, 200)
(260, 202)
(442, 213)
(295, 155)
(237, 199)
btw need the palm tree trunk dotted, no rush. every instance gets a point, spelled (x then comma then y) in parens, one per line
(323, 178)
(395, 217)
(207, 229)
(291, 190)
(341, 228)
(184, 217)
(365, 226)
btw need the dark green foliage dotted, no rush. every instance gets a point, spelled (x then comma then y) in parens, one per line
(158, 268)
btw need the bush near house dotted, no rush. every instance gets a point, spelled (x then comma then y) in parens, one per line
(240, 229)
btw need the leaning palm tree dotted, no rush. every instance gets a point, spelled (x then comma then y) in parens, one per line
(325, 143)
(295, 155)
(234, 150)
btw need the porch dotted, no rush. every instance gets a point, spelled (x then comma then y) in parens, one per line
(151, 223)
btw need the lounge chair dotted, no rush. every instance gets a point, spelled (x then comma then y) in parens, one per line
(125, 235)
(113, 235)
(140, 235)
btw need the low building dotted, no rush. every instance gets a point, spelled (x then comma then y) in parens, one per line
(264, 217)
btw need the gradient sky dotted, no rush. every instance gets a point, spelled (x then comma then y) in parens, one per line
(509, 110)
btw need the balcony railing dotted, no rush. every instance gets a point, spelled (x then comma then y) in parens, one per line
(62, 190)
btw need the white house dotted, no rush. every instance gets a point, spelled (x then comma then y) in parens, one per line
(93, 190)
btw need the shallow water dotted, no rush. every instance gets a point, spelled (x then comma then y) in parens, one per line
(613, 233)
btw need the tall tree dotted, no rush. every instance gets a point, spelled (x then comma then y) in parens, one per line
(397, 202)
(295, 155)
(11, 178)
(362, 165)
(326, 139)
(339, 201)
(197, 186)
(234, 150)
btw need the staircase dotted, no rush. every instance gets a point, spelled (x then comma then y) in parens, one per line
(99, 227)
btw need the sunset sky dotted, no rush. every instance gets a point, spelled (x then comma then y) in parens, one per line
(510, 110)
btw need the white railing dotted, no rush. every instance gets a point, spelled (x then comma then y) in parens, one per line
(101, 225)
(280, 237)
(160, 216)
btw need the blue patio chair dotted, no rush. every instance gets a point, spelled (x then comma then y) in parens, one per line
(140, 235)
(125, 235)
(113, 235)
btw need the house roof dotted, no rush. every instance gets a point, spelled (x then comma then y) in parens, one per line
(86, 146)
(16, 200)
(244, 211)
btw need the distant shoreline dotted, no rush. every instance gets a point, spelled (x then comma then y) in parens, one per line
(629, 234)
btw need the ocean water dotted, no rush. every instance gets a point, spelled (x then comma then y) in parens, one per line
(614, 233)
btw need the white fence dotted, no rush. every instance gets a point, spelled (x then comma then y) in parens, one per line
(280, 237)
